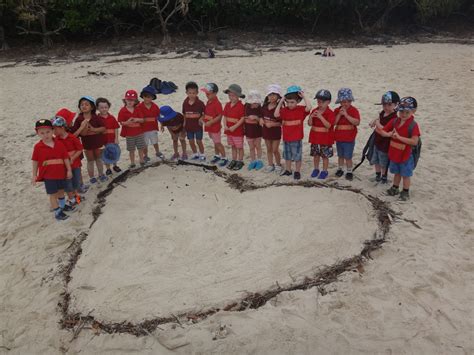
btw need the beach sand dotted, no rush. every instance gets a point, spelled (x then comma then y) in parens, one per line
(414, 297)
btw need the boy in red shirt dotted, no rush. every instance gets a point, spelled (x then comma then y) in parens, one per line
(51, 164)
(212, 122)
(150, 112)
(321, 137)
(111, 129)
(193, 112)
(345, 131)
(74, 149)
(132, 130)
(404, 133)
(234, 116)
(292, 118)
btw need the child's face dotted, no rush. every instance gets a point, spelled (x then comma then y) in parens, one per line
(45, 133)
(406, 114)
(59, 131)
(103, 108)
(130, 103)
(291, 104)
(273, 98)
(147, 98)
(323, 103)
(346, 104)
(389, 108)
(257, 105)
(211, 95)
(192, 94)
(233, 97)
(85, 106)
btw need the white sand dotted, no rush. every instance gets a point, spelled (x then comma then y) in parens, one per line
(415, 297)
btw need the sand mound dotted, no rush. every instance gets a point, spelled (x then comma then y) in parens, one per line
(180, 239)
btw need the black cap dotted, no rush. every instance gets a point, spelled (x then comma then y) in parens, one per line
(43, 123)
(324, 95)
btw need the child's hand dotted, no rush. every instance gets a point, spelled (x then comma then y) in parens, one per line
(69, 174)
(395, 134)
(232, 129)
(372, 124)
(343, 112)
(33, 181)
(301, 94)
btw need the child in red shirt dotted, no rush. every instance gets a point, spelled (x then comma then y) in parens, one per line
(52, 166)
(111, 129)
(253, 129)
(234, 116)
(90, 128)
(212, 123)
(150, 111)
(321, 137)
(193, 112)
(131, 122)
(292, 118)
(404, 133)
(345, 131)
(271, 128)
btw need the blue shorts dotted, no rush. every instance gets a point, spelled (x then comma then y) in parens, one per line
(379, 158)
(293, 150)
(345, 149)
(195, 135)
(404, 169)
(73, 184)
(52, 185)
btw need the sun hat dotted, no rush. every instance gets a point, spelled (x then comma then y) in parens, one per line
(254, 97)
(59, 122)
(344, 94)
(293, 89)
(210, 87)
(67, 115)
(407, 103)
(130, 95)
(390, 97)
(149, 90)
(111, 153)
(43, 124)
(166, 114)
(87, 98)
(235, 89)
(274, 89)
(324, 95)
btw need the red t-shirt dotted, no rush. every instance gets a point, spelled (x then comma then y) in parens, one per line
(92, 141)
(252, 128)
(292, 130)
(192, 114)
(72, 144)
(150, 115)
(399, 152)
(212, 110)
(345, 131)
(233, 114)
(129, 131)
(42, 153)
(320, 134)
(111, 125)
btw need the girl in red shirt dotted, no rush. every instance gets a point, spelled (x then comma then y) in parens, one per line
(253, 130)
(271, 128)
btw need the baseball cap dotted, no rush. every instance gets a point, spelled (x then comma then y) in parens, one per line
(43, 123)
(390, 97)
(210, 87)
(407, 103)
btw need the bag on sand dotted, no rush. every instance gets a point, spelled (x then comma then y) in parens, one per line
(163, 87)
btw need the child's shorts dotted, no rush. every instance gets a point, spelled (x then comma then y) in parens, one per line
(379, 158)
(52, 185)
(325, 151)
(235, 141)
(293, 150)
(135, 142)
(404, 169)
(216, 137)
(151, 137)
(74, 183)
(345, 149)
(194, 135)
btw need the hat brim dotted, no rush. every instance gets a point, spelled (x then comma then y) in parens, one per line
(273, 92)
(148, 93)
(115, 151)
(206, 91)
(167, 118)
(227, 91)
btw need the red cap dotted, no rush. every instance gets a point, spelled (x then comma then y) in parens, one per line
(131, 95)
(67, 115)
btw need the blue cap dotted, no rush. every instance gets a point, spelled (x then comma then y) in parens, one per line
(293, 89)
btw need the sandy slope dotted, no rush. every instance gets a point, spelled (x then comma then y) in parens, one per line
(415, 297)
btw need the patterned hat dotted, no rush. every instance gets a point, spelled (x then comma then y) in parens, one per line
(407, 103)
(344, 94)
(324, 95)
(59, 122)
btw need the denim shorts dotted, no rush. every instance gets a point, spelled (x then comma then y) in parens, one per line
(53, 185)
(293, 150)
(379, 158)
(73, 184)
(404, 169)
(195, 135)
(345, 149)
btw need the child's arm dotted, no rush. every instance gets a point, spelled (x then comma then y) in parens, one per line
(379, 129)
(67, 162)
(410, 141)
(277, 109)
(354, 121)
(306, 101)
(34, 172)
(97, 130)
(75, 155)
(214, 120)
(238, 124)
(325, 122)
(79, 131)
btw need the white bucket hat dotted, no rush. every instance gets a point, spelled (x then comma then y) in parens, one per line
(274, 89)
(254, 97)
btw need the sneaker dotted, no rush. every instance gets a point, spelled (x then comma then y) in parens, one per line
(269, 169)
(132, 166)
(195, 156)
(83, 188)
(232, 164)
(142, 164)
(117, 169)
(60, 215)
(286, 173)
(69, 207)
(146, 159)
(103, 178)
(160, 155)
(239, 165)
(378, 178)
(252, 165)
(383, 179)
(223, 162)
(315, 173)
(349, 176)
(278, 169)
(404, 195)
(339, 172)
(216, 159)
(174, 157)
(184, 157)
(93, 180)
(258, 165)
(323, 175)
(393, 191)
(202, 157)
(108, 172)
(297, 175)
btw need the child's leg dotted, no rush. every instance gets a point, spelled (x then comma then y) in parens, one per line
(234, 152)
(258, 147)
(316, 159)
(378, 168)
(98, 161)
(396, 180)
(220, 150)
(288, 165)
(107, 166)
(145, 151)
(298, 165)
(61, 198)
(157, 148)
(276, 151)
(141, 155)
(251, 143)
(269, 145)
(183, 145)
(325, 164)
(200, 146)
(175, 145)
(406, 182)
(53, 200)
(90, 162)
(349, 164)
(132, 156)
(192, 144)
(240, 154)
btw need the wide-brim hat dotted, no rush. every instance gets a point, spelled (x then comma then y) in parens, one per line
(235, 89)
(166, 114)
(293, 89)
(274, 89)
(111, 153)
(254, 97)
(149, 90)
(344, 94)
(87, 98)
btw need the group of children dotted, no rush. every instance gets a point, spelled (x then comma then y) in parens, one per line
(64, 140)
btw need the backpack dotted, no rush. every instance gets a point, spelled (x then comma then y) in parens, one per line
(415, 149)
(368, 150)
(163, 87)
